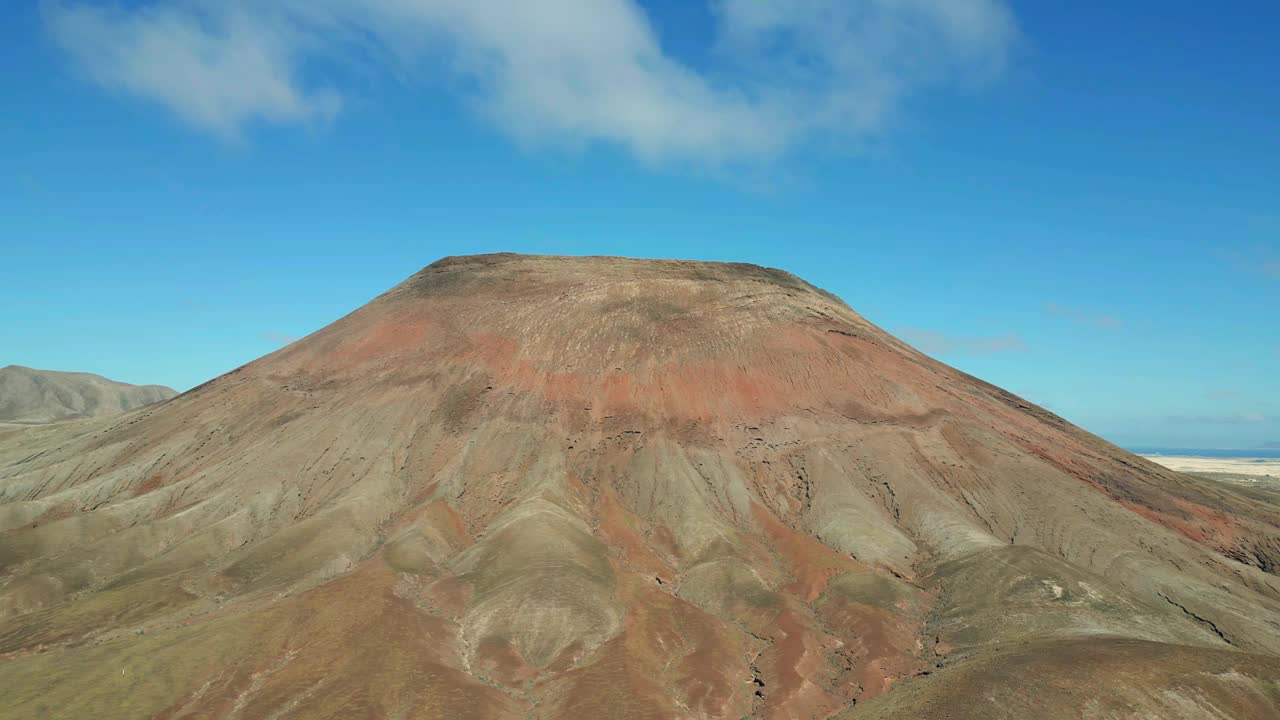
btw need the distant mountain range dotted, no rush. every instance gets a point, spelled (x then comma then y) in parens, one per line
(28, 395)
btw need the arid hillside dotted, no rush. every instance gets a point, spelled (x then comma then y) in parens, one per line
(544, 487)
(28, 395)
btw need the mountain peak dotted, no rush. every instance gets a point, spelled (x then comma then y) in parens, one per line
(605, 487)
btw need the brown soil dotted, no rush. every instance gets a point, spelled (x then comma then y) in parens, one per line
(534, 487)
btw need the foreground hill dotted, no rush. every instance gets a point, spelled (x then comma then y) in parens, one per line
(532, 487)
(40, 396)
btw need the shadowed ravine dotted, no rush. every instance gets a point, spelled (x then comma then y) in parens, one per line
(539, 487)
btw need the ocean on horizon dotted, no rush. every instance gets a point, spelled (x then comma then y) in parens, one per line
(1267, 453)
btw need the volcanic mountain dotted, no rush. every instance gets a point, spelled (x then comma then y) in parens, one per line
(28, 395)
(542, 487)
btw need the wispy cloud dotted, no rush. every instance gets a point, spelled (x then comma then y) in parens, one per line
(282, 338)
(1222, 395)
(1273, 445)
(1235, 419)
(1256, 260)
(1103, 321)
(780, 73)
(937, 343)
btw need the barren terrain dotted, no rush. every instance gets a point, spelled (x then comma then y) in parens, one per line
(29, 396)
(536, 487)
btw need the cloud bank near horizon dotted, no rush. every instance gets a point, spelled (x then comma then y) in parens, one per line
(777, 75)
(1247, 418)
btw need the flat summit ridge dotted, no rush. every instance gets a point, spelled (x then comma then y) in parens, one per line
(672, 268)
(569, 487)
(511, 266)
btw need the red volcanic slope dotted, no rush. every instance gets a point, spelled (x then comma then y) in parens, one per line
(537, 487)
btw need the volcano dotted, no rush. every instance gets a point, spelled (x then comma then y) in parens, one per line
(554, 487)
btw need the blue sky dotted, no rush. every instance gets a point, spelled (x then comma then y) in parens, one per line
(1075, 201)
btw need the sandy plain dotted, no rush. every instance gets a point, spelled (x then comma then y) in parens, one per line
(1255, 467)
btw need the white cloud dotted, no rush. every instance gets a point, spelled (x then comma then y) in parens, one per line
(781, 73)
(937, 343)
(216, 68)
